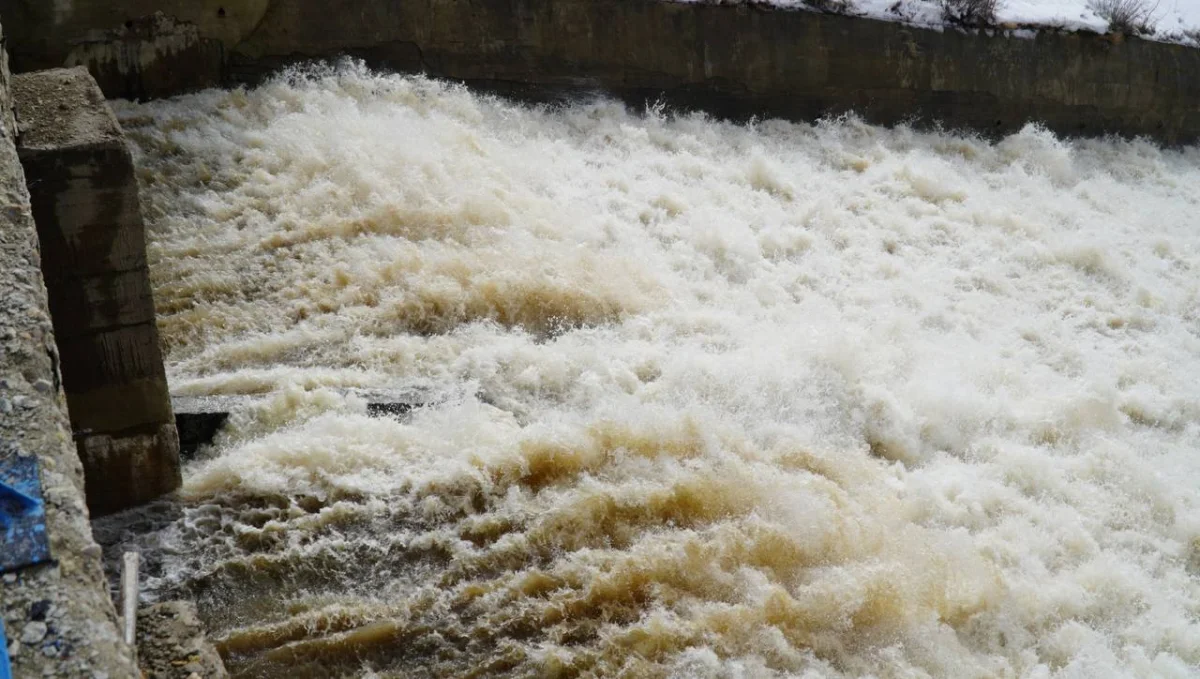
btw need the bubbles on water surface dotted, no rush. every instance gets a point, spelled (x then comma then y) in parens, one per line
(717, 400)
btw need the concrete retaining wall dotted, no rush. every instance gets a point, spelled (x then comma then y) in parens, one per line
(58, 617)
(732, 59)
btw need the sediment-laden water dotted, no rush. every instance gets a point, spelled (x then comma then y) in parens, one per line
(710, 400)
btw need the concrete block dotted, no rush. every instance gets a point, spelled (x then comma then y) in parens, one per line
(85, 202)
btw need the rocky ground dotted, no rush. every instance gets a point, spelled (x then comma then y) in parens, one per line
(58, 617)
(171, 644)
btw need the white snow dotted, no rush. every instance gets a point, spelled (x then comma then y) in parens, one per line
(1171, 20)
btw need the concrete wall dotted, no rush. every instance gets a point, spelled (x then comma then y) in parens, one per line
(58, 616)
(732, 59)
(85, 203)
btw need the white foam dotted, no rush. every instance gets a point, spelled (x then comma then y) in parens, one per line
(781, 398)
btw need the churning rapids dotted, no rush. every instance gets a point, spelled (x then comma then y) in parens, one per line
(709, 399)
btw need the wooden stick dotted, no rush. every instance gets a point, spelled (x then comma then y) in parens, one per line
(129, 599)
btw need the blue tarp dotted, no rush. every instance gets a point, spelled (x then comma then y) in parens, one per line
(5, 667)
(22, 514)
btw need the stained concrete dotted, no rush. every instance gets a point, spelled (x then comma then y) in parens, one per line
(57, 616)
(85, 203)
(151, 56)
(734, 59)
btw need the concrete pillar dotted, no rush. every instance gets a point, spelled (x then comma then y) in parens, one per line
(85, 203)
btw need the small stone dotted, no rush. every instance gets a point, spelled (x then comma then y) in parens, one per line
(49, 651)
(43, 386)
(10, 578)
(33, 633)
(99, 675)
(14, 648)
(194, 675)
(5, 406)
(39, 609)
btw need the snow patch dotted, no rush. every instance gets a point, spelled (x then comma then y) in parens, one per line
(1176, 21)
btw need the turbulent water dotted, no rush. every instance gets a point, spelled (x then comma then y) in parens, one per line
(707, 399)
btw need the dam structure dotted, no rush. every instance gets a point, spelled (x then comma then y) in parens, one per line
(595, 338)
(733, 59)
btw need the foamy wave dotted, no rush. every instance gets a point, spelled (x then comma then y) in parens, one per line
(753, 400)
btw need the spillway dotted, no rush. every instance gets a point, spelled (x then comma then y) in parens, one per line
(707, 399)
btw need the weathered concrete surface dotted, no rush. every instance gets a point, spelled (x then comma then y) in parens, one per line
(151, 56)
(58, 617)
(85, 203)
(172, 644)
(732, 59)
(138, 48)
